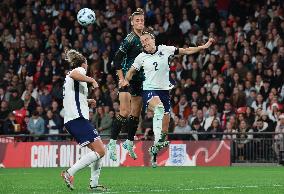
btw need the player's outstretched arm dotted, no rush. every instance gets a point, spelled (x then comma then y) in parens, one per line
(192, 50)
(76, 75)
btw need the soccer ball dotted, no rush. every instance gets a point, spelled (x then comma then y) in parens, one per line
(86, 17)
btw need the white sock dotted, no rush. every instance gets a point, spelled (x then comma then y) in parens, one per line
(83, 162)
(95, 172)
(158, 122)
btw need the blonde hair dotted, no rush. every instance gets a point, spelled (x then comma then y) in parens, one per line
(139, 11)
(74, 58)
(149, 30)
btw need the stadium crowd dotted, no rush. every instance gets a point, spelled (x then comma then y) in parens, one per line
(237, 86)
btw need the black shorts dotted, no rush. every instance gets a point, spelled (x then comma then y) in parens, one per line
(135, 88)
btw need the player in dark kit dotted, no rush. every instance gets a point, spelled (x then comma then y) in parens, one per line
(130, 96)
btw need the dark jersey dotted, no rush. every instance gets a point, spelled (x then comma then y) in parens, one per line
(132, 47)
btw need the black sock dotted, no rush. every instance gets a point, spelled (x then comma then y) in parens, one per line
(163, 137)
(117, 125)
(132, 126)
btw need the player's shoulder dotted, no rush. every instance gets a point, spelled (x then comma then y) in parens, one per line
(141, 56)
(167, 49)
(130, 37)
(80, 69)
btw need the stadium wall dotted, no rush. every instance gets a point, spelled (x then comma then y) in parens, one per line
(64, 154)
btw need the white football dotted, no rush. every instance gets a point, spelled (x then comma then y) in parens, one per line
(86, 17)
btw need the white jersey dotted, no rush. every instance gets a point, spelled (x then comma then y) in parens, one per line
(156, 67)
(75, 97)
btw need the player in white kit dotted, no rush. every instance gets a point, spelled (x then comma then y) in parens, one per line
(76, 120)
(154, 62)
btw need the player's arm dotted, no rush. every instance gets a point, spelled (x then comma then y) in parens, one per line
(133, 69)
(130, 74)
(118, 58)
(192, 50)
(79, 76)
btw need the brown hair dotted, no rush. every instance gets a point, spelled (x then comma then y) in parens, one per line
(139, 11)
(75, 58)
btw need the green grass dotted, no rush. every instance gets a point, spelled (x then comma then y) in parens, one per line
(148, 180)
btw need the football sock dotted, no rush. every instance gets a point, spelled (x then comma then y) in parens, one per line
(95, 172)
(158, 121)
(118, 123)
(83, 162)
(132, 126)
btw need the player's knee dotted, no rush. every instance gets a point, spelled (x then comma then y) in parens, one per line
(101, 152)
(136, 113)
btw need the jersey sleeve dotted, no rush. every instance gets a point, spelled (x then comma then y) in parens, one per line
(171, 50)
(81, 70)
(137, 64)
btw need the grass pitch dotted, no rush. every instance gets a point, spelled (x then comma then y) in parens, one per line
(148, 180)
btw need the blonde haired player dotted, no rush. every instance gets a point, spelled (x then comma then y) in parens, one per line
(76, 120)
(154, 62)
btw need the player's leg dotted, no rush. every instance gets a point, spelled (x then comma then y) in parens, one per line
(119, 122)
(165, 98)
(157, 106)
(132, 125)
(96, 167)
(85, 135)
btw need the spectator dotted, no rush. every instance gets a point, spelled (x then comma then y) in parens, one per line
(4, 112)
(196, 127)
(15, 101)
(182, 108)
(229, 129)
(244, 142)
(4, 96)
(238, 98)
(182, 127)
(259, 103)
(261, 126)
(212, 115)
(226, 114)
(45, 98)
(36, 125)
(249, 115)
(215, 128)
(52, 125)
(193, 115)
(11, 126)
(103, 121)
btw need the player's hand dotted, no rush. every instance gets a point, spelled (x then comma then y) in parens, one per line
(122, 83)
(92, 102)
(125, 83)
(208, 43)
(95, 84)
